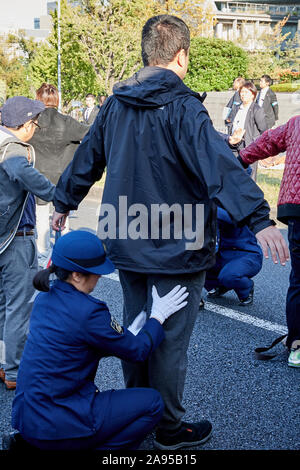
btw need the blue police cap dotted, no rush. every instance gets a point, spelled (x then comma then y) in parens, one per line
(19, 109)
(83, 252)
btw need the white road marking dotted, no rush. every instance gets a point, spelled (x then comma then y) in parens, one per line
(250, 319)
(230, 313)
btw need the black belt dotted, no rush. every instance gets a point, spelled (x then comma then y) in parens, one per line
(24, 234)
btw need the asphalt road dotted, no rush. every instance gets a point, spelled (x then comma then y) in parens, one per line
(253, 405)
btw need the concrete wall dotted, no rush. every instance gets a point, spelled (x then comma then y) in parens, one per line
(289, 105)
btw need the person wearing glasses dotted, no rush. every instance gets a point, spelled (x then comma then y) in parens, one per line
(19, 183)
(55, 143)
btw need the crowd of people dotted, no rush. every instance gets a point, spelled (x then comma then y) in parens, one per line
(156, 141)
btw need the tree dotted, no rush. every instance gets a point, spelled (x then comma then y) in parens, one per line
(214, 64)
(13, 71)
(268, 56)
(199, 15)
(100, 42)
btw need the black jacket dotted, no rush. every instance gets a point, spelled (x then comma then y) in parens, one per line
(158, 144)
(235, 100)
(255, 123)
(55, 143)
(92, 115)
(270, 107)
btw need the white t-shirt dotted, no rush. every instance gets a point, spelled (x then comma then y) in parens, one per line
(87, 113)
(262, 95)
(240, 118)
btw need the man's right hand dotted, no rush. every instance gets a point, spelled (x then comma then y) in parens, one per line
(59, 220)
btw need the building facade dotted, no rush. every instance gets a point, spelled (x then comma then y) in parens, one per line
(246, 22)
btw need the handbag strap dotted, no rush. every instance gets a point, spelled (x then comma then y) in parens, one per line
(260, 353)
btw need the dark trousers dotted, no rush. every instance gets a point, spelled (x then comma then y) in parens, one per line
(131, 416)
(165, 369)
(234, 270)
(293, 294)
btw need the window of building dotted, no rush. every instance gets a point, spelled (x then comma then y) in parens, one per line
(37, 23)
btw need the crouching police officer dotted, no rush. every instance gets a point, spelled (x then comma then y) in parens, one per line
(57, 405)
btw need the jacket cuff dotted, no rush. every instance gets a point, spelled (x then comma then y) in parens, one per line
(263, 224)
(155, 330)
(244, 164)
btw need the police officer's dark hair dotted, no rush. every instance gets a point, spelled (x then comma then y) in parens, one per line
(267, 79)
(162, 37)
(41, 279)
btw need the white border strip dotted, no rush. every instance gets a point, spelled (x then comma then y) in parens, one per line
(234, 314)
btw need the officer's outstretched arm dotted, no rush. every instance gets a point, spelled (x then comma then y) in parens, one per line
(162, 307)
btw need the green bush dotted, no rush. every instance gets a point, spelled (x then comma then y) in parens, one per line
(214, 64)
(286, 87)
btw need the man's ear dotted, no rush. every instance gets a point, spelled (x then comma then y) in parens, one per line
(181, 58)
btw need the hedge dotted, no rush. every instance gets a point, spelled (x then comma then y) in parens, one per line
(214, 64)
(286, 87)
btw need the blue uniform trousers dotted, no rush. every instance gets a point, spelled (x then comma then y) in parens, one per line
(234, 270)
(293, 294)
(132, 415)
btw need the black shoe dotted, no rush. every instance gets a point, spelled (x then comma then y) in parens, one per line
(9, 441)
(217, 292)
(189, 434)
(201, 305)
(15, 442)
(249, 299)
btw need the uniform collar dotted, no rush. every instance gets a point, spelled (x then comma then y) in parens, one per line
(67, 287)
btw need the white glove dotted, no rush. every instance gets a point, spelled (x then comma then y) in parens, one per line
(164, 307)
(138, 323)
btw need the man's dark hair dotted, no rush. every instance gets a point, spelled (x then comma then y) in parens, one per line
(162, 37)
(90, 95)
(268, 79)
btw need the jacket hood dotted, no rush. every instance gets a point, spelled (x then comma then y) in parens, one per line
(152, 87)
(7, 136)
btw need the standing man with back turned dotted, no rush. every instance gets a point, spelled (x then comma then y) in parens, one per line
(160, 149)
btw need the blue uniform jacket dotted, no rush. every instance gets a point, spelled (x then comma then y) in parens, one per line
(70, 331)
(234, 237)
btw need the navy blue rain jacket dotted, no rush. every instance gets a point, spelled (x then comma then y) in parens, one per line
(157, 142)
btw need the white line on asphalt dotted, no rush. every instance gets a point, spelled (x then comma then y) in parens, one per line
(250, 319)
(234, 314)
